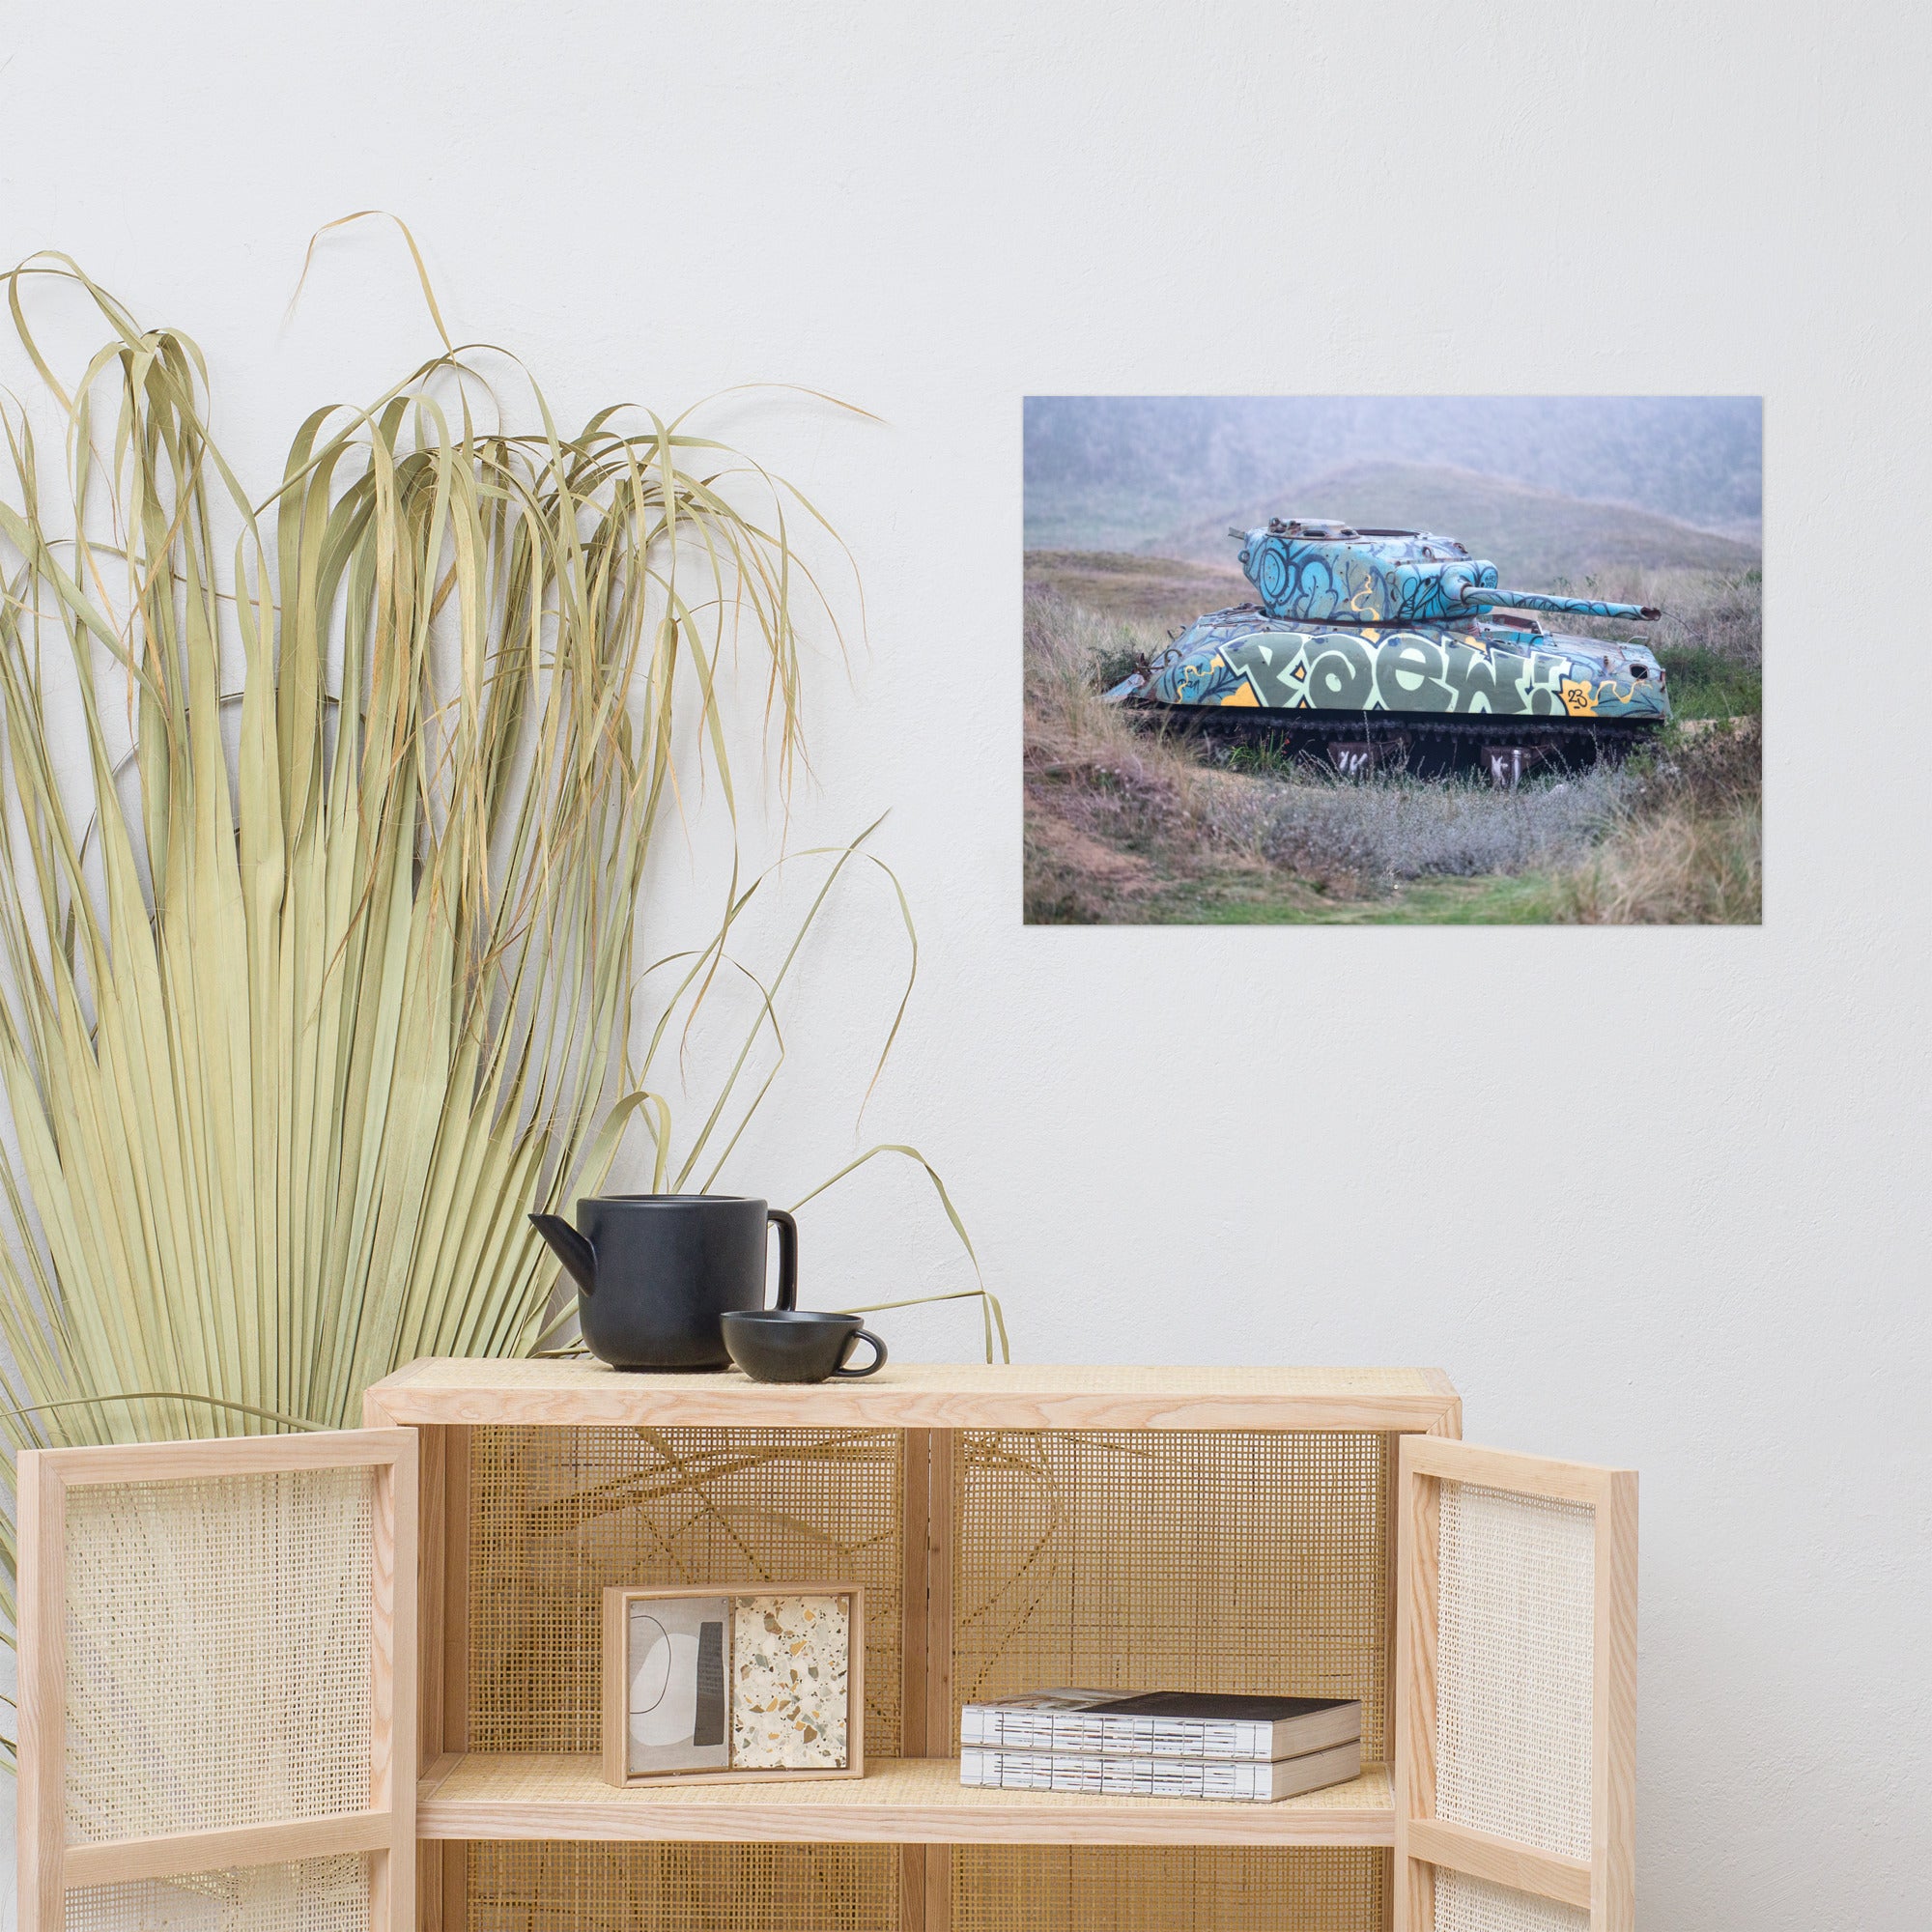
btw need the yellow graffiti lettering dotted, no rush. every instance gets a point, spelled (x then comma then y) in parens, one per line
(1578, 699)
(1242, 693)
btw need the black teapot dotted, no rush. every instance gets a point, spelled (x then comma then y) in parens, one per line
(655, 1272)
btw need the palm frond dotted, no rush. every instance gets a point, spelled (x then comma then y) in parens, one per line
(319, 971)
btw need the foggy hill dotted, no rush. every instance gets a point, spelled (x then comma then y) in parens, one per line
(1534, 537)
(1110, 473)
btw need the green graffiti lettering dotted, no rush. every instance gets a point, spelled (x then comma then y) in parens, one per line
(1409, 673)
(1269, 665)
(1340, 675)
(1546, 677)
(1486, 682)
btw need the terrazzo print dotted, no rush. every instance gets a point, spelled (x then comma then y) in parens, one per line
(789, 1661)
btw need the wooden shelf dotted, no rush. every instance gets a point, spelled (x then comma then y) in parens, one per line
(899, 1801)
(921, 1396)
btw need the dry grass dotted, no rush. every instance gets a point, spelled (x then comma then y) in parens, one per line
(1102, 791)
(1688, 848)
(1707, 610)
(1366, 836)
(1161, 592)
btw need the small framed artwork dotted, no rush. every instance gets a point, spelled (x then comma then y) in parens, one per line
(752, 1684)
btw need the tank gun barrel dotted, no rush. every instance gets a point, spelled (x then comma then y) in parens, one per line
(1487, 597)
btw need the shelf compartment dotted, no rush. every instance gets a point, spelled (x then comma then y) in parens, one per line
(1200, 1560)
(900, 1800)
(555, 1516)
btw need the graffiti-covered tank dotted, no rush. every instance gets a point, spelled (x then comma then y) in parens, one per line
(1368, 642)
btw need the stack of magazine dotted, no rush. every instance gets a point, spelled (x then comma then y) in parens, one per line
(1163, 1743)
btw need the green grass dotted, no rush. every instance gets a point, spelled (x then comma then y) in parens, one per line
(1243, 899)
(1702, 684)
(1262, 760)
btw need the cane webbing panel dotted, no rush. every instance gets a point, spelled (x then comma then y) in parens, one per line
(531, 1886)
(313, 1895)
(1465, 1904)
(558, 1514)
(1139, 1888)
(1241, 1561)
(1513, 1666)
(217, 1652)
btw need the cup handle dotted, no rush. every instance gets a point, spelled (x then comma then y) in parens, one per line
(872, 1367)
(787, 1256)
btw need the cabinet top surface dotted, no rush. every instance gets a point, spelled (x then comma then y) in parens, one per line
(921, 1396)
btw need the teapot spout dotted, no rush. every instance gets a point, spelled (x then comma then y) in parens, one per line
(570, 1248)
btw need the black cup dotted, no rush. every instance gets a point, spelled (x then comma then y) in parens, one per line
(789, 1345)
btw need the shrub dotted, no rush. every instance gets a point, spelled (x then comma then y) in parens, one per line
(1373, 832)
(1689, 847)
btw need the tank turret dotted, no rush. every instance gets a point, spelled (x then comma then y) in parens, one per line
(1311, 571)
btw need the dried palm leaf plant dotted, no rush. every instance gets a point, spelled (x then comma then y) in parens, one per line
(319, 970)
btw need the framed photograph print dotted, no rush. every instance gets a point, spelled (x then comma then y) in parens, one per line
(763, 1683)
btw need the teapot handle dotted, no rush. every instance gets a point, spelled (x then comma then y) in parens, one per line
(787, 1256)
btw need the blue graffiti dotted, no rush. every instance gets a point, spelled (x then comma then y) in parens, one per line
(1243, 657)
(1329, 573)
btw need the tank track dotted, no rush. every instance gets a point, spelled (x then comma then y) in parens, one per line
(1437, 738)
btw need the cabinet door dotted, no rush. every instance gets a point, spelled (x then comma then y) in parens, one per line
(1515, 1692)
(217, 1687)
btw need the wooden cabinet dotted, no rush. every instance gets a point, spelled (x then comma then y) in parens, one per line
(1319, 1530)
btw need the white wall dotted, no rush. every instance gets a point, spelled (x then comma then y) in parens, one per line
(1655, 1197)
